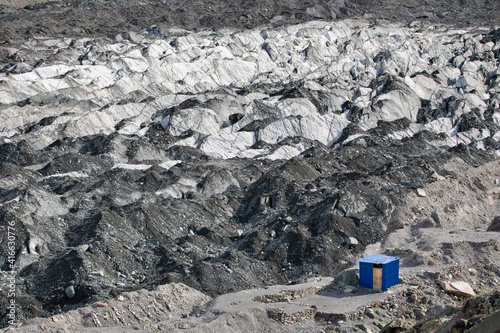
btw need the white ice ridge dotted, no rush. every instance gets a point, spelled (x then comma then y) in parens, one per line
(104, 86)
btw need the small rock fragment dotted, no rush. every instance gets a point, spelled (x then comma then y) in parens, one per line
(350, 289)
(370, 313)
(495, 224)
(100, 305)
(70, 291)
(351, 242)
(184, 326)
(98, 273)
(83, 247)
(479, 184)
(237, 233)
(365, 328)
(435, 217)
(421, 192)
(120, 298)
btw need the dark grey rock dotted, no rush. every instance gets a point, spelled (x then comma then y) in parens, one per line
(347, 278)
(440, 311)
(427, 223)
(70, 292)
(495, 224)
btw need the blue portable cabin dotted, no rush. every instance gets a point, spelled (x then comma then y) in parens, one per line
(378, 272)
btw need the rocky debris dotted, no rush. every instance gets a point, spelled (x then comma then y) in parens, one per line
(475, 315)
(396, 325)
(490, 323)
(495, 224)
(459, 288)
(237, 233)
(370, 313)
(140, 309)
(415, 306)
(76, 18)
(427, 223)
(291, 318)
(284, 167)
(229, 159)
(287, 295)
(404, 313)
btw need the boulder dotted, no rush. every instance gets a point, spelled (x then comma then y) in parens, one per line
(440, 311)
(351, 242)
(70, 291)
(347, 278)
(459, 288)
(427, 223)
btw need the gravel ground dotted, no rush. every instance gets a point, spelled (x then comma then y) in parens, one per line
(73, 18)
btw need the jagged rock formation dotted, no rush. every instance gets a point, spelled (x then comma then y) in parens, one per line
(229, 159)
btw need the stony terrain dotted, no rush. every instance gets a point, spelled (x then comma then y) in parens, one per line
(169, 155)
(71, 18)
(462, 251)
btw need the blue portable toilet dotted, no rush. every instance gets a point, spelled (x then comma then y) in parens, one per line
(378, 272)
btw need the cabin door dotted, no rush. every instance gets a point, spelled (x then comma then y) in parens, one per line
(377, 277)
